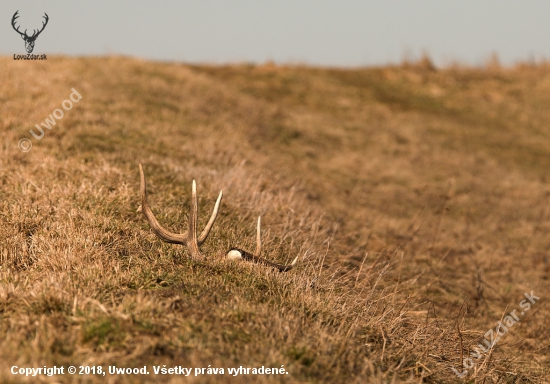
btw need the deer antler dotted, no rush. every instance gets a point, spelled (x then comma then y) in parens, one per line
(24, 34)
(35, 34)
(190, 238)
(237, 253)
(13, 19)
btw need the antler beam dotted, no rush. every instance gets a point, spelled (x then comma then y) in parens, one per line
(237, 253)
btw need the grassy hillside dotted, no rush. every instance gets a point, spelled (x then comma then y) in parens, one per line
(417, 199)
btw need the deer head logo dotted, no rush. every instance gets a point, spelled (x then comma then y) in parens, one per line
(29, 40)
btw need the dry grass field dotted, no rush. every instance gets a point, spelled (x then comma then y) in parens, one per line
(417, 200)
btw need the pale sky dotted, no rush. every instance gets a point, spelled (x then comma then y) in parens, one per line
(315, 32)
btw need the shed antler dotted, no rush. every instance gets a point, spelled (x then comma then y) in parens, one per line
(189, 238)
(237, 253)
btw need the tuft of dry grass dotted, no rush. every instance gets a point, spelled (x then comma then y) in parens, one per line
(416, 198)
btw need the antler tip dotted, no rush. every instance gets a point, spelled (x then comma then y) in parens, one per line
(218, 201)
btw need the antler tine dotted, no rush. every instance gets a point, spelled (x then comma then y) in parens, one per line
(206, 230)
(258, 238)
(192, 243)
(163, 234)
